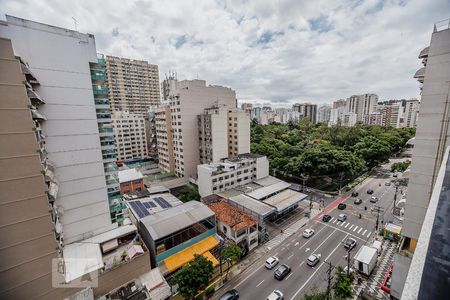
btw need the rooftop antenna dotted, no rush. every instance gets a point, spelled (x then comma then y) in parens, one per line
(75, 22)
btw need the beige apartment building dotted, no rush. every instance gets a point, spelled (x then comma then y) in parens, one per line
(411, 113)
(164, 139)
(392, 114)
(432, 140)
(223, 132)
(130, 136)
(187, 100)
(133, 85)
(361, 105)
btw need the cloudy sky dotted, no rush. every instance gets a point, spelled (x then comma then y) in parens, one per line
(268, 51)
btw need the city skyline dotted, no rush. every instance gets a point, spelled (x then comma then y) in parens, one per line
(276, 69)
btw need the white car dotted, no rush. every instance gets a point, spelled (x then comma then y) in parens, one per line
(276, 295)
(308, 232)
(313, 259)
(272, 262)
(342, 217)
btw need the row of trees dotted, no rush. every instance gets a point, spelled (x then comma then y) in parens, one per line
(400, 166)
(326, 153)
(341, 289)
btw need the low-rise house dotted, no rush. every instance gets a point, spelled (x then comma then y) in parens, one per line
(130, 180)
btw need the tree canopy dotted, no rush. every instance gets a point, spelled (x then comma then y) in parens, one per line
(194, 276)
(337, 153)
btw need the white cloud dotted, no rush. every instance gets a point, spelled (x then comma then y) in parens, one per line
(314, 51)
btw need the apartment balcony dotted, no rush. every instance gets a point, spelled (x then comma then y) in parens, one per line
(110, 169)
(420, 75)
(101, 59)
(98, 75)
(100, 90)
(104, 117)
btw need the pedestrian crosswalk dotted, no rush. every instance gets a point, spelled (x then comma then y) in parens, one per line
(352, 228)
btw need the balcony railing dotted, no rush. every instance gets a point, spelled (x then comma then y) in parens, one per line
(103, 116)
(110, 169)
(105, 129)
(99, 90)
(102, 101)
(98, 75)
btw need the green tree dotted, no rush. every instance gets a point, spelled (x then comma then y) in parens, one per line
(188, 193)
(373, 150)
(194, 276)
(342, 286)
(315, 295)
(231, 254)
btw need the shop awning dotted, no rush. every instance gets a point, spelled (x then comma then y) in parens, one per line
(181, 258)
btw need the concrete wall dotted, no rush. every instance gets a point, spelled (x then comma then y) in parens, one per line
(60, 58)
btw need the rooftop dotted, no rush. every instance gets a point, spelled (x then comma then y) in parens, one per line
(142, 207)
(253, 205)
(232, 216)
(176, 218)
(285, 199)
(129, 175)
(269, 190)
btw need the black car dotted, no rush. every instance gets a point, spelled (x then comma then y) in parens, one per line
(355, 194)
(326, 218)
(350, 243)
(370, 191)
(342, 206)
(230, 295)
(282, 272)
(357, 201)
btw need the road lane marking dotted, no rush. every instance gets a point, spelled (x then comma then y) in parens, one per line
(347, 225)
(342, 224)
(355, 228)
(351, 227)
(296, 244)
(364, 232)
(360, 230)
(290, 256)
(318, 268)
(356, 237)
(369, 233)
(288, 276)
(334, 221)
(260, 283)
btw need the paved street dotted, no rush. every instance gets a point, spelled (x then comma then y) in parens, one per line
(257, 282)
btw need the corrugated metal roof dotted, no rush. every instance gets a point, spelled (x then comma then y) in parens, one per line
(176, 218)
(129, 175)
(266, 191)
(285, 199)
(112, 234)
(253, 205)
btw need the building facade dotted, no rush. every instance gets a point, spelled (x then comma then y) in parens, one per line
(324, 114)
(392, 114)
(411, 113)
(375, 118)
(133, 85)
(229, 173)
(307, 110)
(164, 139)
(187, 100)
(362, 105)
(130, 136)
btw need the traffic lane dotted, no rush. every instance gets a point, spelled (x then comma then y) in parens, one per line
(259, 276)
(360, 228)
(310, 276)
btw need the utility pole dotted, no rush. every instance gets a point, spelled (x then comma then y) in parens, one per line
(378, 209)
(330, 269)
(348, 261)
(395, 198)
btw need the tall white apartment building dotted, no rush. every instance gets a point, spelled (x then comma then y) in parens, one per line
(133, 85)
(70, 76)
(362, 105)
(392, 114)
(336, 116)
(238, 132)
(375, 118)
(349, 119)
(411, 113)
(187, 100)
(307, 110)
(130, 136)
(324, 114)
(164, 139)
(230, 173)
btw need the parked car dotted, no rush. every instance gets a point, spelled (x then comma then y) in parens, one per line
(276, 295)
(271, 262)
(370, 191)
(373, 199)
(357, 201)
(350, 243)
(308, 232)
(313, 260)
(342, 217)
(355, 194)
(282, 272)
(230, 295)
(326, 218)
(387, 183)
(342, 206)
(395, 175)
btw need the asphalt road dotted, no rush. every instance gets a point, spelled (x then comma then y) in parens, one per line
(257, 282)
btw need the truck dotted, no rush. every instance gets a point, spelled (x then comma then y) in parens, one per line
(365, 260)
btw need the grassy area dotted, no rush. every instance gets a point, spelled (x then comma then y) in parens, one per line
(186, 193)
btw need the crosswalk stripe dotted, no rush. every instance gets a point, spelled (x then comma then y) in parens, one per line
(364, 232)
(347, 225)
(355, 228)
(342, 224)
(369, 233)
(334, 221)
(360, 230)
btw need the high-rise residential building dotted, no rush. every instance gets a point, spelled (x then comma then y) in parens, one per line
(431, 142)
(130, 135)
(392, 114)
(323, 114)
(361, 105)
(306, 110)
(375, 118)
(133, 85)
(58, 218)
(339, 103)
(150, 132)
(238, 132)
(187, 100)
(247, 107)
(349, 119)
(411, 113)
(164, 139)
(256, 114)
(75, 122)
(336, 116)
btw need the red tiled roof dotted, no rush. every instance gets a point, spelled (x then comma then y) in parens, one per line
(232, 216)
